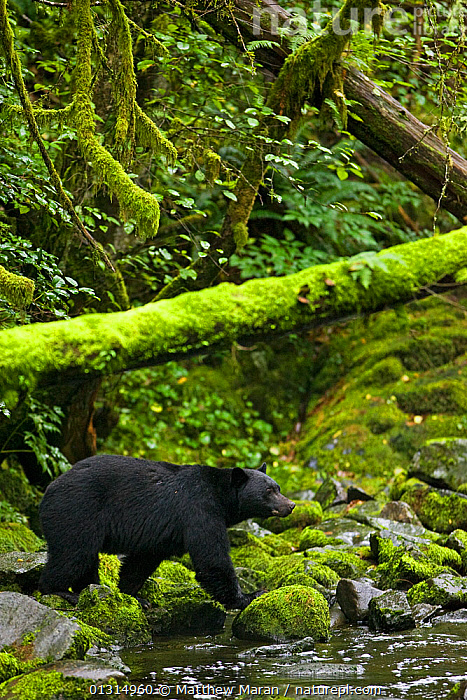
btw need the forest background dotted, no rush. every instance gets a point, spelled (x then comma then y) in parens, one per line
(195, 198)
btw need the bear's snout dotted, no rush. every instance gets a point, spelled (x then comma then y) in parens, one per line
(284, 508)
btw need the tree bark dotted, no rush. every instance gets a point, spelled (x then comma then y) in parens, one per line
(94, 345)
(389, 129)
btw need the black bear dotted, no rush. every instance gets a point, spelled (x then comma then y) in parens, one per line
(150, 511)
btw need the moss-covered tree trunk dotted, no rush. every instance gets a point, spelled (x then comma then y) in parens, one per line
(94, 345)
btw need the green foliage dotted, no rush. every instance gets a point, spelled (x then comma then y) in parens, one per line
(54, 291)
(40, 424)
(179, 414)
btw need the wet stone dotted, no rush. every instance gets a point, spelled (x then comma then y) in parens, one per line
(390, 612)
(354, 598)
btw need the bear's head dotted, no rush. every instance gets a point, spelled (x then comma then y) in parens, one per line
(258, 495)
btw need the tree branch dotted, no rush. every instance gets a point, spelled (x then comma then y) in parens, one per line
(386, 127)
(100, 344)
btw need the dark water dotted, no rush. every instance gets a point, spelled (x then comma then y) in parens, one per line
(420, 664)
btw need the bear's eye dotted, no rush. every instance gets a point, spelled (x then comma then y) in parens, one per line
(269, 489)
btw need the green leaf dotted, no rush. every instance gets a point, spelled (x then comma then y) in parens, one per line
(229, 195)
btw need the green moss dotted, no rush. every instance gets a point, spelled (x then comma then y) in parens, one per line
(114, 613)
(440, 511)
(447, 396)
(9, 666)
(345, 564)
(134, 201)
(216, 316)
(17, 290)
(305, 513)
(251, 557)
(314, 538)
(240, 234)
(384, 417)
(87, 637)
(175, 572)
(109, 568)
(48, 685)
(180, 608)
(288, 613)
(16, 537)
(310, 73)
(288, 569)
(386, 371)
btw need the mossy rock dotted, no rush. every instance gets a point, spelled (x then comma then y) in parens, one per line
(345, 564)
(175, 572)
(15, 488)
(45, 684)
(293, 569)
(447, 590)
(305, 513)
(181, 608)
(251, 557)
(364, 403)
(386, 371)
(16, 537)
(442, 463)
(310, 537)
(109, 568)
(114, 613)
(288, 613)
(439, 510)
(380, 419)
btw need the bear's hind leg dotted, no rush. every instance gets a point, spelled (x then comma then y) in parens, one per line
(136, 568)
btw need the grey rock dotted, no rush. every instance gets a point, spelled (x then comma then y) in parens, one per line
(347, 530)
(21, 569)
(424, 612)
(338, 619)
(331, 493)
(354, 598)
(21, 615)
(390, 612)
(95, 671)
(287, 649)
(109, 658)
(452, 616)
(400, 512)
(322, 669)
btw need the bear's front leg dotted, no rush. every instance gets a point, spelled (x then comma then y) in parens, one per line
(209, 552)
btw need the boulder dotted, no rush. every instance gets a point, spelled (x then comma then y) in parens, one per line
(390, 612)
(290, 612)
(354, 598)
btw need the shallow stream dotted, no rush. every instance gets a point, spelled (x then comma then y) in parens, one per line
(418, 664)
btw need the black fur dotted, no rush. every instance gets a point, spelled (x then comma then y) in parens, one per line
(150, 511)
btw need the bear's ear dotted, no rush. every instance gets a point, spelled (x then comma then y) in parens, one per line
(263, 468)
(239, 477)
